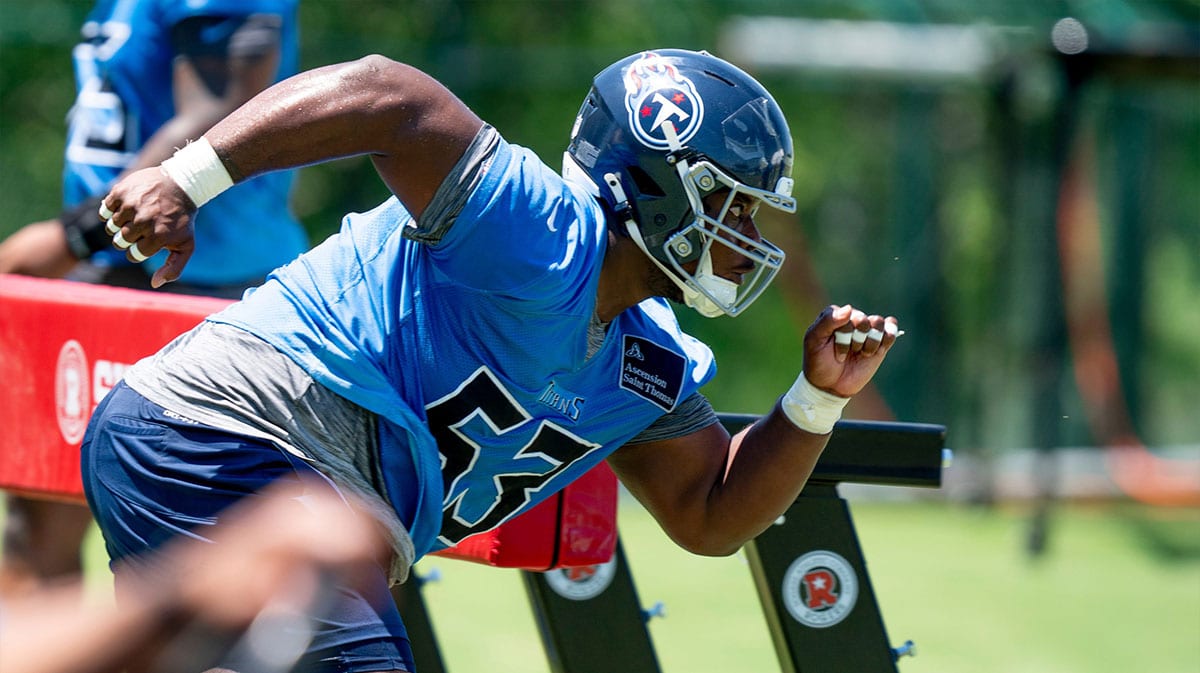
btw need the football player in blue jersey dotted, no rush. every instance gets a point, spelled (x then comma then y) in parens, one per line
(151, 74)
(486, 335)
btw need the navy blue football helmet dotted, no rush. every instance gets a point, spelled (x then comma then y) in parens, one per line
(660, 131)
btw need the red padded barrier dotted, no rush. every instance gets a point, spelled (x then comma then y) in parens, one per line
(63, 345)
(575, 527)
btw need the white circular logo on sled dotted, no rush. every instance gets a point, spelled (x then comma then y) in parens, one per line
(72, 392)
(582, 583)
(820, 589)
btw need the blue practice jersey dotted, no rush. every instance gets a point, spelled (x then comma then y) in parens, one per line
(473, 349)
(123, 74)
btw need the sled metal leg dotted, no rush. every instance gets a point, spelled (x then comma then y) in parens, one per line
(809, 569)
(590, 619)
(420, 628)
(817, 596)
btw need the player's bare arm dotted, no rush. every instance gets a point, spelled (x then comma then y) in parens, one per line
(412, 126)
(710, 492)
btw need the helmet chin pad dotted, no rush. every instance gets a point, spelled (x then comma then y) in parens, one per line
(717, 293)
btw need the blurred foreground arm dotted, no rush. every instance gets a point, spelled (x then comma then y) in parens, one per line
(272, 554)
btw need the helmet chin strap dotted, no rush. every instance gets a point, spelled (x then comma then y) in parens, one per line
(717, 291)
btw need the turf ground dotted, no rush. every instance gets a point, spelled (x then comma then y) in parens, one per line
(1118, 591)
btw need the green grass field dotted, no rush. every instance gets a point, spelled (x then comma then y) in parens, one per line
(1117, 592)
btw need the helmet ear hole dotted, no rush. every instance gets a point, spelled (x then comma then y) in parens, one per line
(646, 186)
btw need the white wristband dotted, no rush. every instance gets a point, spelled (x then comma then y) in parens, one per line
(198, 171)
(810, 408)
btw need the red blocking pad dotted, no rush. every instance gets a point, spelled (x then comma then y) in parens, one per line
(575, 527)
(64, 345)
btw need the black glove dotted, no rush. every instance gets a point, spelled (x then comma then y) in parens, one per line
(86, 234)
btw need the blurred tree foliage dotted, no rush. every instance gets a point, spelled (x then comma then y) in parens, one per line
(935, 200)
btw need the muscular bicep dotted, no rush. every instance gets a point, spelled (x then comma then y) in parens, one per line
(675, 478)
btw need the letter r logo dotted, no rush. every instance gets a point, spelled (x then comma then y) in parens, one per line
(819, 585)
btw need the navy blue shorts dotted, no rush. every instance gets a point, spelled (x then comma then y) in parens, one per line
(150, 475)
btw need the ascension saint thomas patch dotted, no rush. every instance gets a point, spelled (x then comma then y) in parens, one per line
(651, 371)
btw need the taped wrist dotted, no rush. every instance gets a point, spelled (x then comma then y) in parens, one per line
(810, 408)
(198, 171)
(84, 229)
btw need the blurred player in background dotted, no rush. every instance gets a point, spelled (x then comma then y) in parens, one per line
(151, 74)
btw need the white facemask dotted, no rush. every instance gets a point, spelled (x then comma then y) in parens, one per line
(721, 289)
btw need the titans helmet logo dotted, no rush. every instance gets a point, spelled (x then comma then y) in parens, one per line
(655, 94)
